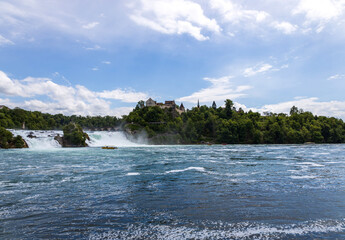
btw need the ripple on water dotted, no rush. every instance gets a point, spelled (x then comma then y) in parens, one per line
(221, 230)
(122, 194)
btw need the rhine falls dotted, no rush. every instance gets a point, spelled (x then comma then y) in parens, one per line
(45, 139)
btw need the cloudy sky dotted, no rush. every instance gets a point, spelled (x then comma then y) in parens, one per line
(101, 57)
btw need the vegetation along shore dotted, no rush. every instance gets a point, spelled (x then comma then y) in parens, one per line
(168, 125)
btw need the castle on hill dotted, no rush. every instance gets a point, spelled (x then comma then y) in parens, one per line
(167, 104)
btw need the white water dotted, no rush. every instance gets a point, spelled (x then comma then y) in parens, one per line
(42, 140)
(104, 138)
(45, 139)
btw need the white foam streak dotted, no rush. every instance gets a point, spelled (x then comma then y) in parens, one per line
(311, 164)
(200, 169)
(226, 231)
(303, 177)
(133, 174)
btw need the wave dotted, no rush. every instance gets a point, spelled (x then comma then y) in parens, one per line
(311, 164)
(200, 169)
(302, 177)
(133, 174)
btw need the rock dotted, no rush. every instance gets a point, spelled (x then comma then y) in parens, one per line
(8, 141)
(73, 136)
(18, 142)
(59, 139)
(31, 135)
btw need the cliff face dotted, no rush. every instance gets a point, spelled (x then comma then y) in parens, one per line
(8, 141)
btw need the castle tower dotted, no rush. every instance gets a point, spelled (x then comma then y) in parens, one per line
(198, 106)
(150, 103)
(182, 107)
(214, 105)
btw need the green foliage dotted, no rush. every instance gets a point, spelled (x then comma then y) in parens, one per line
(18, 142)
(15, 118)
(202, 124)
(228, 125)
(73, 135)
(8, 141)
(5, 138)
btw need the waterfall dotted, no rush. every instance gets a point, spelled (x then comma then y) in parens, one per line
(44, 139)
(104, 138)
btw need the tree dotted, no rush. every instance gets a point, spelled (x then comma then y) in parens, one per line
(73, 136)
(228, 108)
(140, 104)
(293, 110)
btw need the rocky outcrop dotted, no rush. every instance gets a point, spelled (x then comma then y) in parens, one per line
(73, 136)
(31, 135)
(59, 139)
(18, 142)
(8, 141)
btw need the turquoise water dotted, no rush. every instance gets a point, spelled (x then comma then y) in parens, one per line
(174, 192)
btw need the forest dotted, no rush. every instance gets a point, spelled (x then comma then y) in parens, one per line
(231, 126)
(15, 118)
(222, 125)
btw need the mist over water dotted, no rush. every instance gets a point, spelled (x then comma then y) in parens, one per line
(174, 192)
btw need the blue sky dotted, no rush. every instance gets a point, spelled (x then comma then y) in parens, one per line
(102, 57)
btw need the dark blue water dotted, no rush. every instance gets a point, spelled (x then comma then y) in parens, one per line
(175, 192)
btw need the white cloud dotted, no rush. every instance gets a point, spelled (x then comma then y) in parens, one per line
(336, 77)
(106, 62)
(175, 17)
(234, 13)
(285, 27)
(94, 69)
(200, 19)
(90, 25)
(320, 10)
(34, 19)
(123, 95)
(5, 41)
(249, 72)
(220, 89)
(63, 99)
(329, 109)
(7, 102)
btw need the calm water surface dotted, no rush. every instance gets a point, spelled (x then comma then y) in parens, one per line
(174, 192)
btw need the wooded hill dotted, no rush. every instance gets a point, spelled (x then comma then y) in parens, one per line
(229, 125)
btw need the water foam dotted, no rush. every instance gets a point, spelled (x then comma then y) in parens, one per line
(200, 169)
(133, 174)
(104, 138)
(222, 230)
(311, 164)
(302, 177)
(41, 139)
(45, 139)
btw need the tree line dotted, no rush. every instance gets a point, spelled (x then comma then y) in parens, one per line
(202, 124)
(17, 117)
(231, 126)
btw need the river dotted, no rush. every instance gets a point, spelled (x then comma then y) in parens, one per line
(172, 192)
